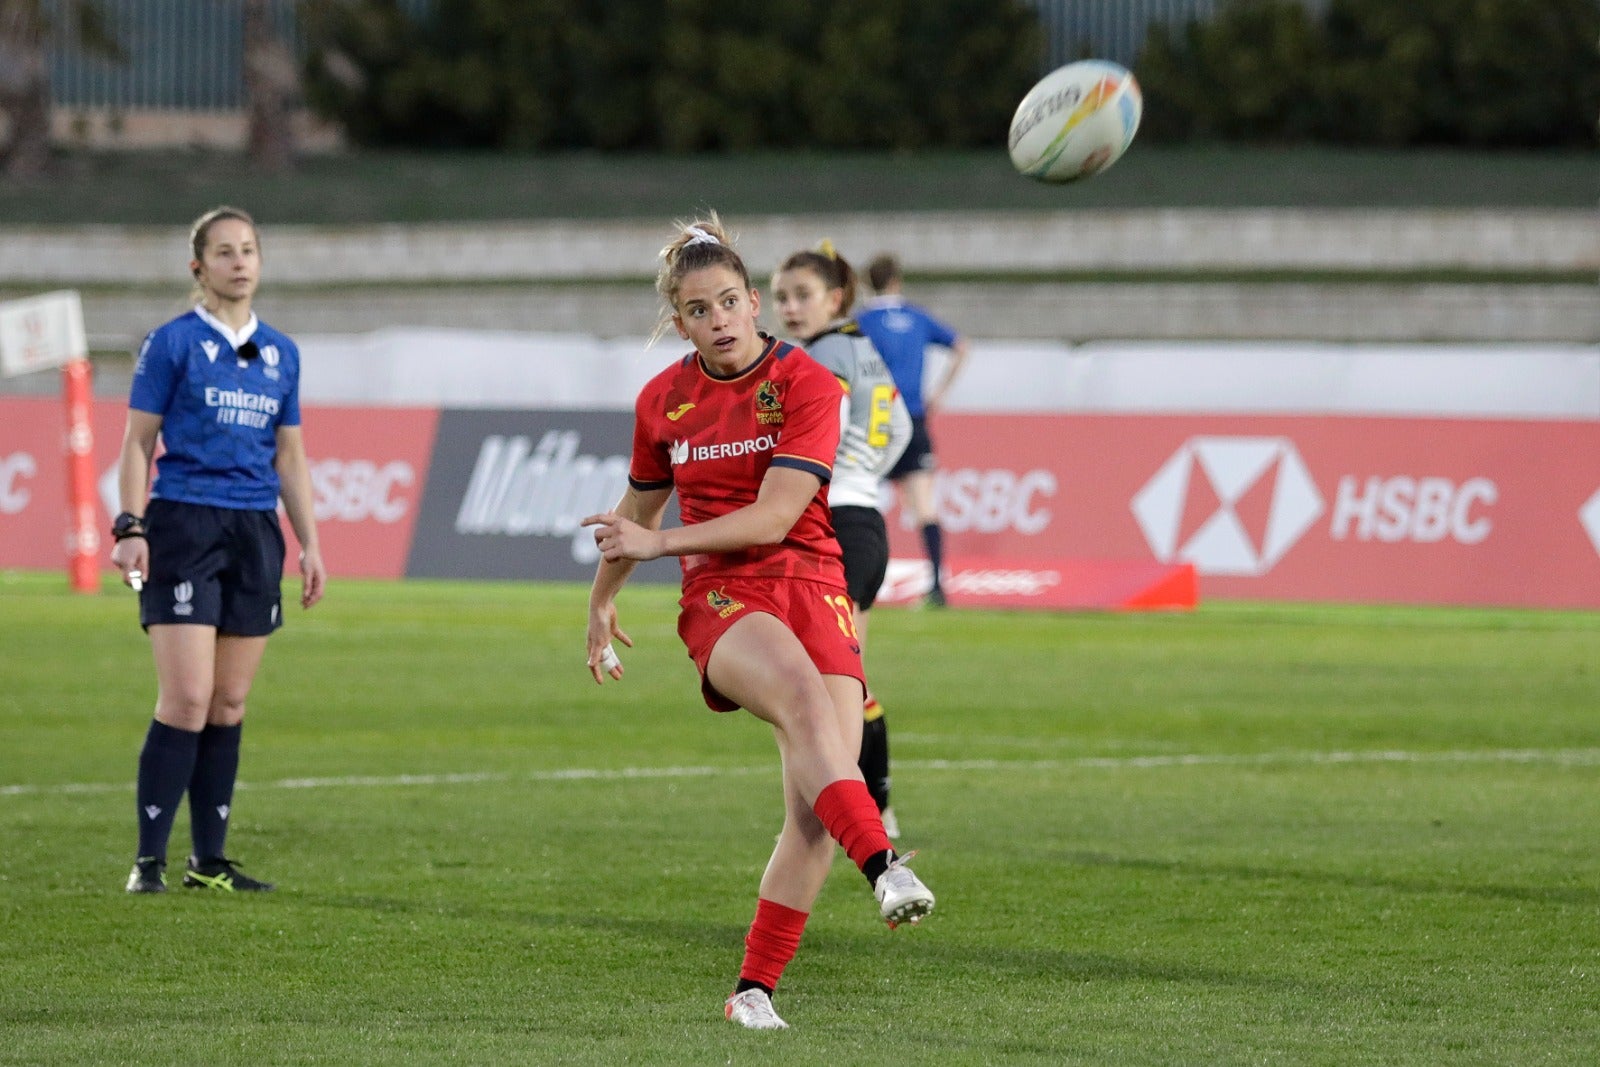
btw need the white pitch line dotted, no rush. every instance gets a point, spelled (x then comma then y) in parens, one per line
(570, 774)
(1565, 757)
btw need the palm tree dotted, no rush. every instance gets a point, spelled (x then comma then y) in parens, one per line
(26, 32)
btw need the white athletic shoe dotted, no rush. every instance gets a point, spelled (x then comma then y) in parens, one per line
(753, 1010)
(891, 825)
(902, 898)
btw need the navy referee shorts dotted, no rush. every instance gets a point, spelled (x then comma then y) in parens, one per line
(918, 455)
(212, 566)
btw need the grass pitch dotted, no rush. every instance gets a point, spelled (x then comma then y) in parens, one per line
(1250, 834)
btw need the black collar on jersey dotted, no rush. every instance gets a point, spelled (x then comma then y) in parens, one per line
(848, 327)
(772, 345)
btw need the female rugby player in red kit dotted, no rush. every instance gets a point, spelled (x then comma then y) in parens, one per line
(745, 428)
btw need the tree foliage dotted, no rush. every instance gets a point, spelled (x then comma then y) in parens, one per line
(679, 75)
(1481, 73)
(27, 28)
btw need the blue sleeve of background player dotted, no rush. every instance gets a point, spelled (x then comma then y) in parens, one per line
(938, 332)
(155, 375)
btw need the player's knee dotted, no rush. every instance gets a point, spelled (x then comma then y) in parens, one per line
(183, 711)
(793, 690)
(226, 708)
(813, 723)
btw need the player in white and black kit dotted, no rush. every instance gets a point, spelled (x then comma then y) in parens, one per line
(814, 291)
(222, 391)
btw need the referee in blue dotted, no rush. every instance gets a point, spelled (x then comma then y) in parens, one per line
(203, 547)
(902, 332)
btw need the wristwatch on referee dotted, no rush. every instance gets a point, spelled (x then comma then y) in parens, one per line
(127, 525)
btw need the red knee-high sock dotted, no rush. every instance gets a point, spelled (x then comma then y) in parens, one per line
(851, 816)
(773, 940)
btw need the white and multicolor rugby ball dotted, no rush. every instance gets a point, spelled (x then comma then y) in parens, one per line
(1076, 122)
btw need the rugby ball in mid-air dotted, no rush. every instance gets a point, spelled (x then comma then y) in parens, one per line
(1077, 121)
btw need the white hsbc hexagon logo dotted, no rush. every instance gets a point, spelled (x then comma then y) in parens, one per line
(1228, 505)
(1589, 515)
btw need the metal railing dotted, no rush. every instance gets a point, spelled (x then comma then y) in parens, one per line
(179, 55)
(1109, 29)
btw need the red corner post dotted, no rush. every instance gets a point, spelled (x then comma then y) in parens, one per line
(83, 527)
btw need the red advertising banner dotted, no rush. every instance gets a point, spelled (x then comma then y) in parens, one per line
(369, 467)
(1345, 509)
(34, 517)
(1366, 510)
(368, 470)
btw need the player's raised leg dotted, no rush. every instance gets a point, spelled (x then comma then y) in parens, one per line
(761, 664)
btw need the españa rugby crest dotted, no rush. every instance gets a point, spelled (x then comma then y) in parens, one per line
(769, 403)
(723, 604)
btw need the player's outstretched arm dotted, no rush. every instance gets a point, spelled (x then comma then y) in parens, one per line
(779, 503)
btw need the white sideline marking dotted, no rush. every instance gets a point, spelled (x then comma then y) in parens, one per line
(1565, 757)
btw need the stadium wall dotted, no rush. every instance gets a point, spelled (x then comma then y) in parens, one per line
(928, 242)
(1397, 475)
(1376, 276)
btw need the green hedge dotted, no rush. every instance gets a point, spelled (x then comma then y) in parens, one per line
(679, 75)
(1481, 73)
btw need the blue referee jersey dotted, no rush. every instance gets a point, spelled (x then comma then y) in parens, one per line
(901, 333)
(220, 411)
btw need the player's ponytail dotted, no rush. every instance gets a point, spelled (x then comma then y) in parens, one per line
(699, 244)
(827, 264)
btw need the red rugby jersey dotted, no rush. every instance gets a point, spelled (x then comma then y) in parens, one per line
(712, 439)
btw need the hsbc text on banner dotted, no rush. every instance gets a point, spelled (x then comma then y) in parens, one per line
(507, 488)
(368, 470)
(1361, 510)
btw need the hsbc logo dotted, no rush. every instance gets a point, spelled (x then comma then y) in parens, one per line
(1229, 505)
(1589, 516)
(355, 490)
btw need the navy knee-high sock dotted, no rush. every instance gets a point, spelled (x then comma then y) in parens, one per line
(165, 765)
(933, 539)
(216, 768)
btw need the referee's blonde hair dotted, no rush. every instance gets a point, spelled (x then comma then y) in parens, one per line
(200, 237)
